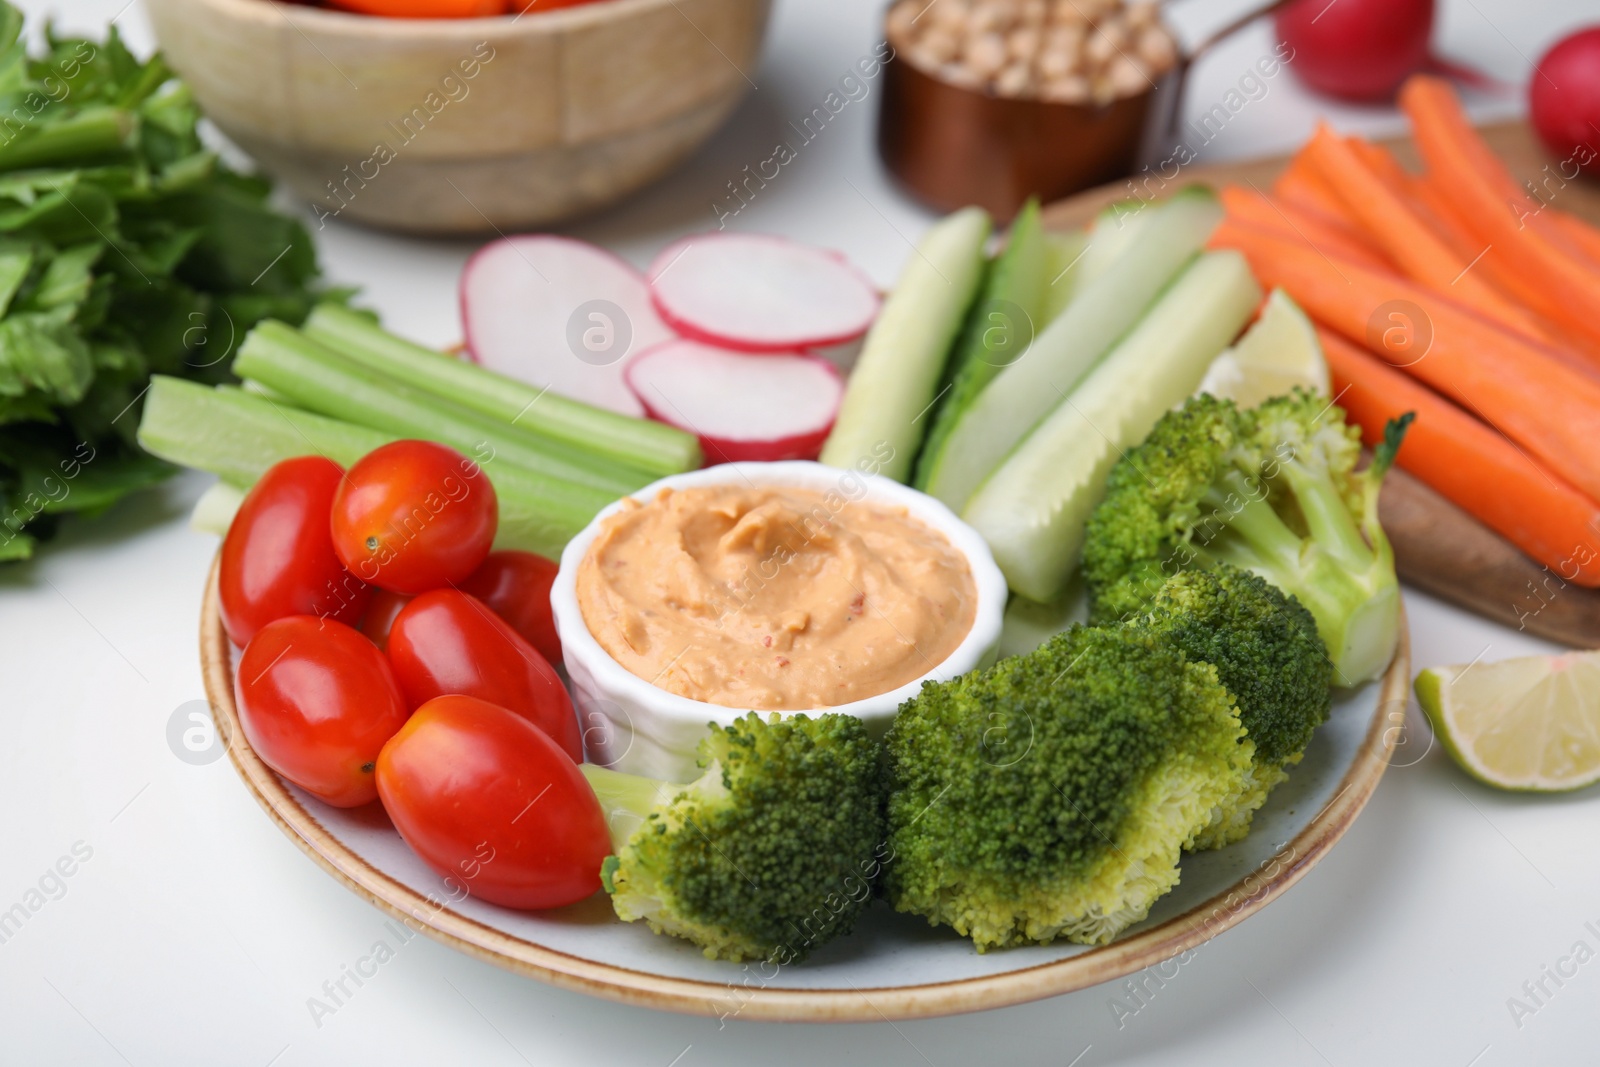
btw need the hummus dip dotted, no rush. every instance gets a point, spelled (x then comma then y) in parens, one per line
(772, 597)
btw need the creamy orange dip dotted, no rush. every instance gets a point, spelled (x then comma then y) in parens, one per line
(774, 598)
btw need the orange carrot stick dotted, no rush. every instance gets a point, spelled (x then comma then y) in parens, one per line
(1300, 184)
(1468, 176)
(1316, 229)
(1389, 222)
(1581, 234)
(1521, 388)
(1470, 464)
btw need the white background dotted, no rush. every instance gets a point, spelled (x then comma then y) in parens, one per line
(196, 931)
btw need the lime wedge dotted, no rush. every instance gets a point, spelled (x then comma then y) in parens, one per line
(1529, 724)
(1276, 354)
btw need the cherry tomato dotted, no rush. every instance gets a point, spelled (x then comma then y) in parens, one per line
(448, 642)
(278, 558)
(493, 803)
(317, 701)
(380, 616)
(424, 9)
(516, 586)
(413, 516)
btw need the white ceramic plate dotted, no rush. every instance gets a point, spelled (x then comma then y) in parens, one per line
(893, 966)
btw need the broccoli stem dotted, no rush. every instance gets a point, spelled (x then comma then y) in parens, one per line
(1327, 517)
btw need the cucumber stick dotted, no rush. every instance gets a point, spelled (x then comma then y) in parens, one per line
(650, 446)
(1103, 310)
(999, 328)
(237, 436)
(321, 380)
(1064, 254)
(885, 410)
(1111, 234)
(1032, 510)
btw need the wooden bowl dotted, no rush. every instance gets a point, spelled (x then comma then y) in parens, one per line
(465, 125)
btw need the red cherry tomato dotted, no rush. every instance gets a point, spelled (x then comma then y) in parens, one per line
(278, 559)
(448, 642)
(380, 615)
(491, 802)
(516, 586)
(317, 701)
(412, 516)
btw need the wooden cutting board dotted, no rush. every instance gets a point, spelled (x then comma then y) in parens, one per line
(1439, 548)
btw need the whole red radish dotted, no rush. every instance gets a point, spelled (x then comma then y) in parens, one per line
(414, 515)
(1358, 50)
(516, 586)
(448, 642)
(1564, 100)
(317, 701)
(494, 805)
(278, 557)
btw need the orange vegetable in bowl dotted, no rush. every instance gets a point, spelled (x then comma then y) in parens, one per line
(425, 9)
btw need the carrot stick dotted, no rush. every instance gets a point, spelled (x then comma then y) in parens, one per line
(1469, 177)
(1581, 234)
(1470, 464)
(1389, 222)
(1318, 230)
(1521, 388)
(1301, 185)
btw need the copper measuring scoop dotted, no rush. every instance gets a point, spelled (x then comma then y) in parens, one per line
(951, 146)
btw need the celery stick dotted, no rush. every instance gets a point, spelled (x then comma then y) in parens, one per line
(1103, 310)
(320, 380)
(884, 414)
(238, 436)
(213, 513)
(1032, 510)
(1000, 327)
(651, 446)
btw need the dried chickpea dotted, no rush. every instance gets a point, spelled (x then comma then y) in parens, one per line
(902, 24)
(1126, 77)
(985, 55)
(1056, 64)
(950, 15)
(937, 47)
(1157, 49)
(1015, 80)
(1072, 90)
(1022, 45)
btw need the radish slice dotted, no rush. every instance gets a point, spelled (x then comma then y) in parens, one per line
(561, 314)
(743, 406)
(760, 294)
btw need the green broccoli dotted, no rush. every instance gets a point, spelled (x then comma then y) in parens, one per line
(1051, 795)
(774, 850)
(1273, 490)
(1265, 648)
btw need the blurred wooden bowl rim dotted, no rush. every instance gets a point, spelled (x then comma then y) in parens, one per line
(448, 125)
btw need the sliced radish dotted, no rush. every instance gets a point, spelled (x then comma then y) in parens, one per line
(559, 313)
(760, 294)
(743, 406)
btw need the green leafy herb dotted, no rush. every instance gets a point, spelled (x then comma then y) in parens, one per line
(126, 248)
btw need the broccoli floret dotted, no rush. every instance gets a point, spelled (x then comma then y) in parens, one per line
(1268, 655)
(771, 852)
(1051, 795)
(1272, 490)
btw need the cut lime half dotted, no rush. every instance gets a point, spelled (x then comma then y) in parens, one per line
(1529, 724)
(1277, 353)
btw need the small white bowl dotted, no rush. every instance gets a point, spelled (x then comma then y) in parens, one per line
(637, 727)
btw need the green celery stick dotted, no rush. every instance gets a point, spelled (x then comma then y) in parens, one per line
(643, 443)
(237, 436)
(321, 380)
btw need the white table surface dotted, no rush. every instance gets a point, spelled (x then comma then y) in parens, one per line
(195, 932)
